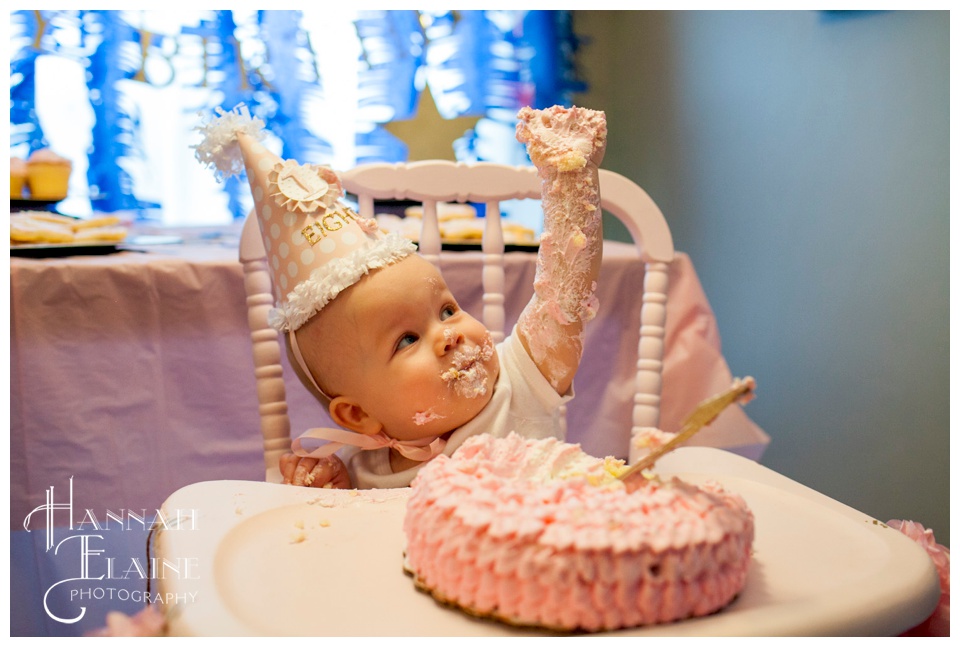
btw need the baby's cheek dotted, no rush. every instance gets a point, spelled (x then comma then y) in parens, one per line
(423, 379)
(494, 367)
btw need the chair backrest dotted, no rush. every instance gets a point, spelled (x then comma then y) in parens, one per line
(432, 182)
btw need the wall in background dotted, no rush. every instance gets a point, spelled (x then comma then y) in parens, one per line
(802, 160)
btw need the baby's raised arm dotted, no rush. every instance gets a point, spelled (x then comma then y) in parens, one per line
(566, 145)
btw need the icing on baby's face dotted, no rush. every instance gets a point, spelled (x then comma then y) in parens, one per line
(421, 418)
(408, 333)
(468, 375)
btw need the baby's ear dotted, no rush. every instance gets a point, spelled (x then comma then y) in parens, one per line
(350, 415)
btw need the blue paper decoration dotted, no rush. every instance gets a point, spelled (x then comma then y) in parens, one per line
(24, 123)
(392, 43)
(458, 62)
(229, 84)
(479, 62)
(115, 58)
(389, 82)
(380, 145)
(281, 91)
(548, 37)
(488, 63)
(530, 63)
(293, 85)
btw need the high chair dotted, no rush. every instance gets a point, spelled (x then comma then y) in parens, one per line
(430, 182)
(267, 559)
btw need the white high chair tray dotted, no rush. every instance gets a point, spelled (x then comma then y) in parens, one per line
(279, 560)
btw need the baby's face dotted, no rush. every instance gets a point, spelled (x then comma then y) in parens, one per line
(421, 366)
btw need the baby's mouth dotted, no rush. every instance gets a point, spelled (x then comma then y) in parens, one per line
(468, 375)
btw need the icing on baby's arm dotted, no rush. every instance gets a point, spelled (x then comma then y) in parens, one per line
(567, 146)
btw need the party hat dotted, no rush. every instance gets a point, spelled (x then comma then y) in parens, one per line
(316, 245)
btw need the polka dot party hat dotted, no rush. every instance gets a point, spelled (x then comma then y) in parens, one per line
(316, 245)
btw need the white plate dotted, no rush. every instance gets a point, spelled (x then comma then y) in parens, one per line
(278, 560)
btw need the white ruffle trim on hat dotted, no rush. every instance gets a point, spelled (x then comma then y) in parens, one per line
(326, 282)
(219, 148)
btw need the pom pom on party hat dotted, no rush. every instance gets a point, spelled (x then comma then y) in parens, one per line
(316, 245)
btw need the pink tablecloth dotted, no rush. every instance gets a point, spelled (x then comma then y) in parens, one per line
(132, 372)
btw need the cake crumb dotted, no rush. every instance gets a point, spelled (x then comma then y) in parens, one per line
(324, 523)
(298, 538)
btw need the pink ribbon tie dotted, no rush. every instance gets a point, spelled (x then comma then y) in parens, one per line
(422, 449)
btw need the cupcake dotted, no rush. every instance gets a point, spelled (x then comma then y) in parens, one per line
(18, 177)
(48, 175)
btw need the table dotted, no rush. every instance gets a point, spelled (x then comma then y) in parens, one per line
(132, 374)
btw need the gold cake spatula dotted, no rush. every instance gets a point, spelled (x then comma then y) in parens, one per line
(705, 413)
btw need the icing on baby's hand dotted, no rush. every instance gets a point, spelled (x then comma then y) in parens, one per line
(328, 472)
(567, 146)
(565, 139)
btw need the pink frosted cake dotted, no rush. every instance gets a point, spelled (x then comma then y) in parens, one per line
(536, 532)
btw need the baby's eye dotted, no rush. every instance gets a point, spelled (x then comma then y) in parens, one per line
(406, 340)
(447, 312)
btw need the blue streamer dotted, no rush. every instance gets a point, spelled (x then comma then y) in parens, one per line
(389, 86)
(487, 62)
(228, 87)
(392, 45)
(115, 58)
(282, 93)
(292, 87)
(459, 57)
(550, 38)
(24, 122)
(529, 61)
(380, 145)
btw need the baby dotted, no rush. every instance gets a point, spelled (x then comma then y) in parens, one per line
(403, 370)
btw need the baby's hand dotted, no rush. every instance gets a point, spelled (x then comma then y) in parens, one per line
(563, 138)
(314, 472)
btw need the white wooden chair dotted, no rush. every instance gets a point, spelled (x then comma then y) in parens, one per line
(431, 182)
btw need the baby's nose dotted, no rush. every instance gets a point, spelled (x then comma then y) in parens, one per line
(449, 339)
